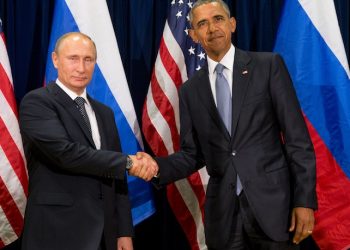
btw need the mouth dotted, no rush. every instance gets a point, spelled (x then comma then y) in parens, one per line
(79, 78)
(214, 38)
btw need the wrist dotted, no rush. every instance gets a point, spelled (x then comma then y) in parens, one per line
(157, 175)
(129, 163)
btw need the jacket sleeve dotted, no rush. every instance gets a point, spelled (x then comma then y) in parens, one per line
(297, 143)
(189, 159)
(45, 135)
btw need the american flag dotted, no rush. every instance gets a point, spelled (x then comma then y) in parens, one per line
(13, 173)
(178, 58)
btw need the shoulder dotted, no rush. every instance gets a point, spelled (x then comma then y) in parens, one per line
(263, 56)
(259, 60)
(197, 78)
(37, 95)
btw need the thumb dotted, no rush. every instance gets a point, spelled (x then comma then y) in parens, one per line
(139, 155)
(292, 222)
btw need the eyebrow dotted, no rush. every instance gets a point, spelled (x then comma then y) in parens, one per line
(204, 20)
(201, 21)
(219, 15)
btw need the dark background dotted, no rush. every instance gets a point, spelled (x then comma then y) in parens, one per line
(138, 26)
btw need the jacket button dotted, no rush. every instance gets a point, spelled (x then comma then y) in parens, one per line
(234, 152)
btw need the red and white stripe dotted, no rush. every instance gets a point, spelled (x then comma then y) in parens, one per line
(161, 127)
(13, 172)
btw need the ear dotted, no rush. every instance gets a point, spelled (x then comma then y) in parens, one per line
(232, 24)
(54, 58)
(193, 35)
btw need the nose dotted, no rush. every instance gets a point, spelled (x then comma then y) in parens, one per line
(211, 27)
(81, 66)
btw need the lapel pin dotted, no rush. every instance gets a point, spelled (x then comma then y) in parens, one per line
(245, 72)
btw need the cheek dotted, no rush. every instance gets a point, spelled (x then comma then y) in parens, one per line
(66, 71)
(90, 69)
(200, 35)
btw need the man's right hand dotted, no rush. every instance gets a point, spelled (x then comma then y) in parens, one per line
(144, 166)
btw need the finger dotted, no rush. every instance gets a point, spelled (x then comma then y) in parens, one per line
(148, 177)
(292, 222)
(147, 169)
(298, 233)
(149, 173)
(305, 232)
(152, 169)
(311, 223)
(156, 172)
(142, 172)
(154, 166)
(309, 226)
(303, 227)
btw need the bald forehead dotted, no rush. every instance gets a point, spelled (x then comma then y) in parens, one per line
(74, 37)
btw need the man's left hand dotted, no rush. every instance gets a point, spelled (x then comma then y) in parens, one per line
(124, 243)
(302, 222)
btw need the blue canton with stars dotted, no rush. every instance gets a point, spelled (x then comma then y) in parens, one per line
(178, 19)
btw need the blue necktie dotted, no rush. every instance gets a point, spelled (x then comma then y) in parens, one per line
(224, 105)
(80, 101)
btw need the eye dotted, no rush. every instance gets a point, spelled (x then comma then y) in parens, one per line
(89, 60)
(73, 58)
(219, 18)
(202, 24)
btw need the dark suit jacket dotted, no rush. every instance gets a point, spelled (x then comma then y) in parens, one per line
(276, 176)
(77, 195)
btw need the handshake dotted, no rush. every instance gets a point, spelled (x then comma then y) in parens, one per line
(143, 166)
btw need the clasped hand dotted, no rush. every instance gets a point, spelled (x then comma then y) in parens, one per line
(144, 166)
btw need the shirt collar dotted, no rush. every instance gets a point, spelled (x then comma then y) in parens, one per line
(71, 93)
(227, 60)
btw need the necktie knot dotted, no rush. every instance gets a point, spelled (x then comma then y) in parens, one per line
(219, 68)
(80, 101)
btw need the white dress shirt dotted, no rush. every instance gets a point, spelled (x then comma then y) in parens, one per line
(90, 112)
(227, 61)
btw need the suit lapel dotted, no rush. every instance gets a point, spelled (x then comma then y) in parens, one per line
(205, 93)
(241, 75)
(61, 97)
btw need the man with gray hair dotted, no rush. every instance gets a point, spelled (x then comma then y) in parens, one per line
(240, 118)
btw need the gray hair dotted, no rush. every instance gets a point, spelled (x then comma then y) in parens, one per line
(201, 2)
(65, 36)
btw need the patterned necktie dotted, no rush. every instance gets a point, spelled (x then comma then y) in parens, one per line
(80, 101)
(224, 105)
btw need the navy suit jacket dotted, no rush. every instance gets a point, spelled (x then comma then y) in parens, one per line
(277, 174)
(78, 195)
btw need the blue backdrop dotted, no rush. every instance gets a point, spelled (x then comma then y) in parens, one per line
(138, 26)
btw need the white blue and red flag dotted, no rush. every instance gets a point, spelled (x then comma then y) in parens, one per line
(178, 58)
(109, 84)
(13, 171)
(310, 42)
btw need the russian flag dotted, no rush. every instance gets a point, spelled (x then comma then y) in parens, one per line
(108, 85)
(310, 42)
